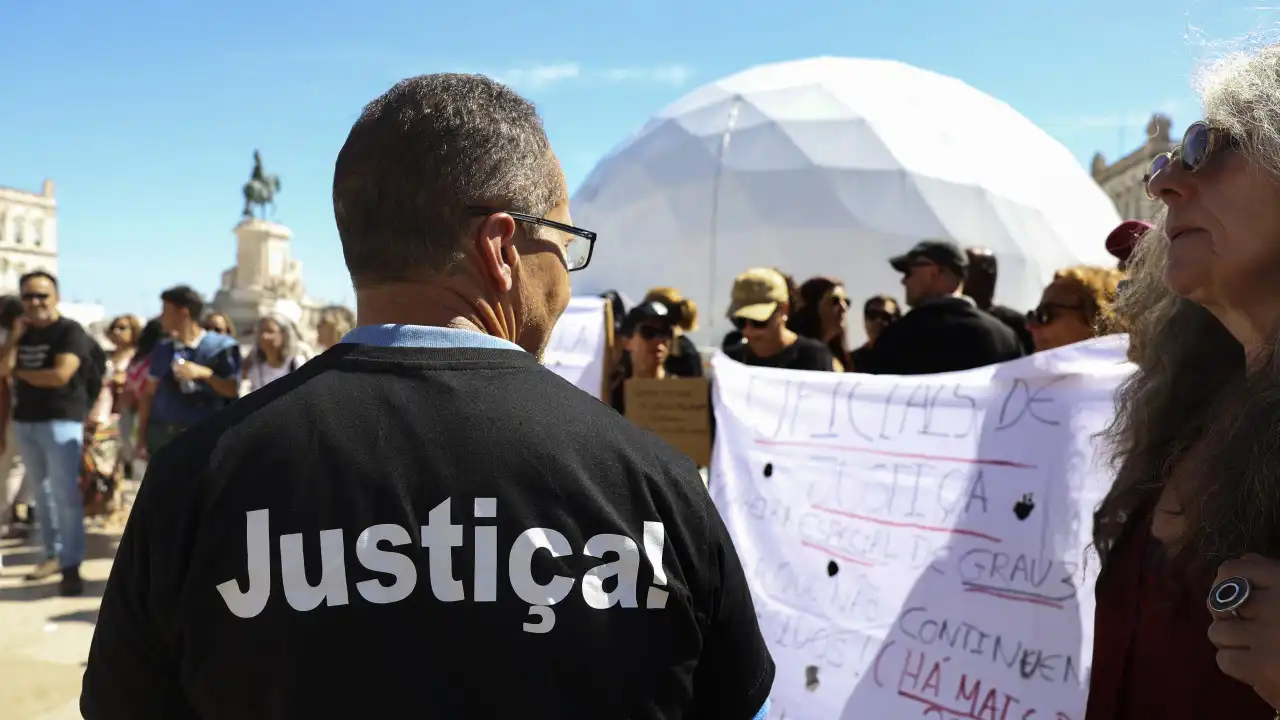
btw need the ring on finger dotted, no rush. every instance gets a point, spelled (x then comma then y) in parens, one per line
(1229, 595)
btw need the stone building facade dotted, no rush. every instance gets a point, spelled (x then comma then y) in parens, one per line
(28, 234)
(1122, 180)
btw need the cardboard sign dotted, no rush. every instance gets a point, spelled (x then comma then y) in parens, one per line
(677, 410)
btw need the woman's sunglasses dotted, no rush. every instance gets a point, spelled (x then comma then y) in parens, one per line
(879, 316)
(743, 323)
(1045, 313)
(652, 332)
(1198, 145)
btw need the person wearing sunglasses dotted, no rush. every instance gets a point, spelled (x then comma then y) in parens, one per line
(878, 313)
(219, 324)
(647, 333)
(427, 485)
(54, 364)
(1074, 306)
(1194, 500)
(823, 316)
(758, 309)
(945, 331)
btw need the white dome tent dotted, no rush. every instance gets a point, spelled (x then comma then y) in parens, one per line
(829, 166)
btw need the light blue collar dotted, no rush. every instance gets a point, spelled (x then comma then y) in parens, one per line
(422, 336)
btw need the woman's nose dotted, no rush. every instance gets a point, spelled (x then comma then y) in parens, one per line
(1171, 184)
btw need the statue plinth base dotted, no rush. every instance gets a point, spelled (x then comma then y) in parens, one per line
(265, 280)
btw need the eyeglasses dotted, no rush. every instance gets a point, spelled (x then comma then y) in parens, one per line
(117, 328)
(577, 253)
(1198, 145)
(1045, 313)
(32, 297)
(654, 332)
(743, 323)
(881, 316)
(838, 300)
(216, 329)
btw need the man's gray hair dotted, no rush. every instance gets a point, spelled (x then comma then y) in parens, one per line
(420, 156)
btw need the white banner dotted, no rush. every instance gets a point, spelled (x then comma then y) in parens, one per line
(577, 346)
(916, 546)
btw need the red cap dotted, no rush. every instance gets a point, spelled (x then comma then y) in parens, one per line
(1121, 241)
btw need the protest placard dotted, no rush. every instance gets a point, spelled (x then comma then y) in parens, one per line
(920, 546)
(581, 345)
(678, 410)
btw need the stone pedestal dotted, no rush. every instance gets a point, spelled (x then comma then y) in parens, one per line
(265, 279)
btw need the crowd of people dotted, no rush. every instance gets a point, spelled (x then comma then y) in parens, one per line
(952, 322)
(426, 483)
(79, 415)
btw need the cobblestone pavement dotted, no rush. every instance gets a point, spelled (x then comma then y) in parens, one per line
(44, 639)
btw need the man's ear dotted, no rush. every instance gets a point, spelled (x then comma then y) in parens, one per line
(494, 242)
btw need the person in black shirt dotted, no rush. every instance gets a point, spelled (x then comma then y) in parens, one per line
(684, 360)
(424, 521)
(878, 313)
(944, 331)
(50, 358)
(759, 311)
(823, 315)
(647, 332)
(980, 286)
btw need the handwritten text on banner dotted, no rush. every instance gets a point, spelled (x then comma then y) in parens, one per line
(577, 346)
(916, 546)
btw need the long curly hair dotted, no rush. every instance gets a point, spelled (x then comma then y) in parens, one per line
(1193, 403)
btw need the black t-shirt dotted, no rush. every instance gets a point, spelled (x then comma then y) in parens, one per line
(37, 349)
(379, 460)
(803, 354)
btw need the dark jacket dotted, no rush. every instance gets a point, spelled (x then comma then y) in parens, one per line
(1017, 322)
(942, 335)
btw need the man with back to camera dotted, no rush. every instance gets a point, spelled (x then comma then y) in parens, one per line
(944, 331)
(423, 521)
(50, 358)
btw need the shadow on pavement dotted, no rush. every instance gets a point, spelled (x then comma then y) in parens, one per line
(84, 616)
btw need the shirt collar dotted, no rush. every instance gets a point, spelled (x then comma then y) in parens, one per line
(193, 344)
(423, 336)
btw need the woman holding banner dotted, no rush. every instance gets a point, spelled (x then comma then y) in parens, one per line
(1197, 431)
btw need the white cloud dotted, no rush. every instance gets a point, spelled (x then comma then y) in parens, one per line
(537, 77)
(675, 75)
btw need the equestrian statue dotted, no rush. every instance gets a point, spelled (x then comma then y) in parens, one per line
(261, 190)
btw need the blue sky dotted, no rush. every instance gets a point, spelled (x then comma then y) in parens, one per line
(146, 115)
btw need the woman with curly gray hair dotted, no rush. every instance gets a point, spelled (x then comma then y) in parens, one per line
(1197, 431)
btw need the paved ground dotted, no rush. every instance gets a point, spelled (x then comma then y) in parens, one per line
(44, 639)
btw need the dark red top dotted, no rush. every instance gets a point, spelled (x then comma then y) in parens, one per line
(1151, 657)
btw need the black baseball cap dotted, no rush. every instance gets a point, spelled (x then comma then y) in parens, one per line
(650, 312)
(940, 252)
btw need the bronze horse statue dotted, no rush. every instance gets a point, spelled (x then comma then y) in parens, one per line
(261, 189)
